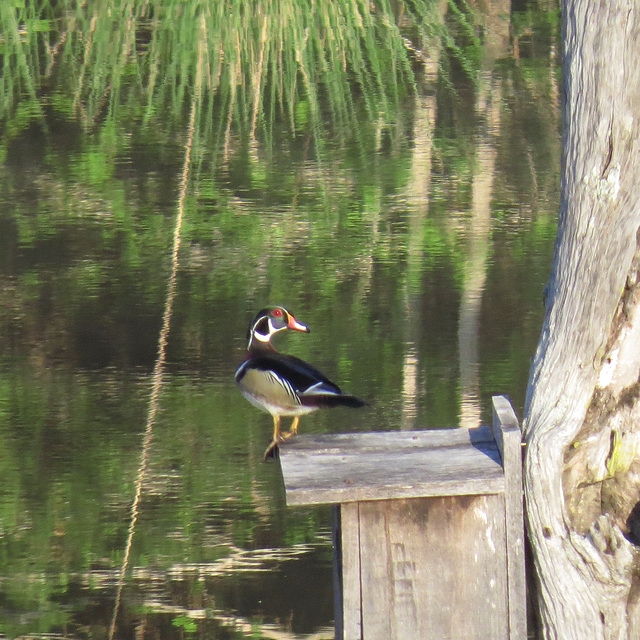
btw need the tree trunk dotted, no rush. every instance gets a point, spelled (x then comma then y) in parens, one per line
(582, 415)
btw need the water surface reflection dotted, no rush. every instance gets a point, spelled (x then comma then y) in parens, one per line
(415, 244)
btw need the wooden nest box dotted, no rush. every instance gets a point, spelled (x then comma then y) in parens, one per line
(428, 528)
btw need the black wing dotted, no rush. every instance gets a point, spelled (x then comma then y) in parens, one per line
(300, 374)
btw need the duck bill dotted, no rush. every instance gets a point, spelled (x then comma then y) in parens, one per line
(297, 326)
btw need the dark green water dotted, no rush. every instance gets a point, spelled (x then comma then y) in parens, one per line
(414, 237)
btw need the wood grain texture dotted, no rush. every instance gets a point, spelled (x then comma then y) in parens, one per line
(433, 569)
(429, 528)
(506, 430)
(350, 570)
(332, 469)
(338, 601)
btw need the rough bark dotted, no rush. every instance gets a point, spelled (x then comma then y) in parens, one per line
(582, 459)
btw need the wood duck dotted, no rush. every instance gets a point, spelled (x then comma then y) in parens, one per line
(280, 384)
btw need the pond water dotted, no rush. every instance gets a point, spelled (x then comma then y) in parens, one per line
(404, 209)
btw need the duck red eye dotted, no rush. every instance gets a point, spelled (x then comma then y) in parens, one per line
(277, 313)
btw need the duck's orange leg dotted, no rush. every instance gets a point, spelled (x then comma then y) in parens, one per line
(293, 430)
(270, 452)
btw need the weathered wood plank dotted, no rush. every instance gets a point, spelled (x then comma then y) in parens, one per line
(433, 568)
(351, 586)
(508, 436)
(430, 528)
(330, 469)
(381, 440)
(336, 540)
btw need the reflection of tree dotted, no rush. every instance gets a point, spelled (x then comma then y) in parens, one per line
(478, 249)
(418, 187)
(267, 63)
(488, 106)
(278, 67)
(336, 215)
(479, 230)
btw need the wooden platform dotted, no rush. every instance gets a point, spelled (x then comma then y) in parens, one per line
(331, 469)
(428, 531)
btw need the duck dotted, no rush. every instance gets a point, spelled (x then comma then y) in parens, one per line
(280, 384)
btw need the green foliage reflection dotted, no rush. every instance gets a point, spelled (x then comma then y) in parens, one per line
(336, 151)
(267, 63)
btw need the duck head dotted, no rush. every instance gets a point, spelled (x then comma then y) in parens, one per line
(268, 322)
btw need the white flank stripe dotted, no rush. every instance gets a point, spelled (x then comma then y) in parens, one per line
(318, 389)
(289, 389)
